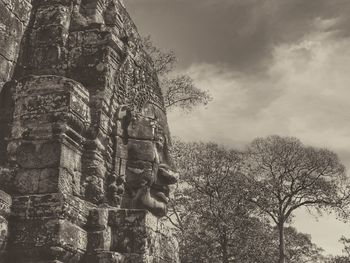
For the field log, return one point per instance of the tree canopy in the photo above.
(285, 175)
(231, 206)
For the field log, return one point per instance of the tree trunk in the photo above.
(225, 257)
(282, 256)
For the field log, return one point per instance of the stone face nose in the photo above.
(166, 176)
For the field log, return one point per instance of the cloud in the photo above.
(303, 93)
(239, 33)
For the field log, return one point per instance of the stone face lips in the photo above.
(82, 127)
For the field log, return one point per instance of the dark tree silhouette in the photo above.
(285, 175)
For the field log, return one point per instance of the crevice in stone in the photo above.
(6, 58)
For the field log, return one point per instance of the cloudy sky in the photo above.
(272, 67)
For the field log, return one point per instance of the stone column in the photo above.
(50, 116)
(62, 159)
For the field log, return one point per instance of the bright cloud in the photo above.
(304, 93)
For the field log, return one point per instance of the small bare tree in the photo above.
(285, 175)
(178, 90)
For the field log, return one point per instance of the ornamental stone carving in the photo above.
(85, 171)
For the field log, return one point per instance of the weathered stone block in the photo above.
(39, 154)
(141, 150)
(139, 172)
(70, 183)
(57, 15)
(49, 59)
(37, 181)
(129, 230)
(41, 96)
(47, 239)
(100, 240)
(121, 148)
(94, 189)
(88, 69)
(142, 129)
(33, 207)
(70, 158)
(6, 179)
(46, 180)
(138, 232)
(98, 219)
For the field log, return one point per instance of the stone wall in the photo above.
(13, 23)
(83, 138)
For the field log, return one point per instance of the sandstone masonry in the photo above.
(84, 162)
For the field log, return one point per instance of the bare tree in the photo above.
(178, 90)
(285, 175)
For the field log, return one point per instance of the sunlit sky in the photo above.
(272, 67)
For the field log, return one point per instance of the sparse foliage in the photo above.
(178, 90)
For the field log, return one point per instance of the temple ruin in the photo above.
(84, 141)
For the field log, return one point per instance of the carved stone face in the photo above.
(148, 173)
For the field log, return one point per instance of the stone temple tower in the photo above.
(84, 141)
